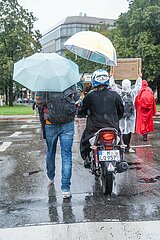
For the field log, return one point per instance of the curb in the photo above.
(17, 117)
(24, 117)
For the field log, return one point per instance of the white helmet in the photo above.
(100, 77)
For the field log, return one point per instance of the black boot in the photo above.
(127, 149)
(145, 137)
(87, 162)
(126, 141)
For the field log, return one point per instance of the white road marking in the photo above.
(4, 146)
(156, 122)
(29, 121)
(15, 134)
(24, 126)
(138, 146)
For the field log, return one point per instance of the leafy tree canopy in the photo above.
(137, 34)
(17, 39)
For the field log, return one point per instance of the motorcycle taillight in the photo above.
(108, 137)
(109, 147)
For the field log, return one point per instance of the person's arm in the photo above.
(77, 90)
(34, 105)
(154, 107)
(113, 85)
(82, 110)
(42, 120)
(138, 84)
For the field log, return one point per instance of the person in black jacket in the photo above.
(102, 107)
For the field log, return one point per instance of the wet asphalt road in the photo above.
(27, 199)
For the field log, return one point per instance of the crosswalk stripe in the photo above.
(24, 126)
(15, 134)
(4, 146)
(29, 121)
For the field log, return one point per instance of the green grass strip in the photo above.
(16, 110)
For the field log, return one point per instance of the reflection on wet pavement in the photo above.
(52, 202)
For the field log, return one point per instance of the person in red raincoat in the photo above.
(146, 108)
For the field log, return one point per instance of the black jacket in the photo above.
(103, 108)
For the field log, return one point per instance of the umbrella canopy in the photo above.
(46, 72)
(92, 46)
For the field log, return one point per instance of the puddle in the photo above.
(133, 164)
(134, 168)
(31, 172)
(148, 180)
(157, 177)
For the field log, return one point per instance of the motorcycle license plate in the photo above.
(109, 156)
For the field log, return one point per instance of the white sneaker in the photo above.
(131, 150)
(66, 195)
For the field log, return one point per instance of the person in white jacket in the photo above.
(127, 123)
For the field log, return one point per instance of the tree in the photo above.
(17, 40)
(137, 34)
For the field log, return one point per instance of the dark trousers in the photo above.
(126, 139)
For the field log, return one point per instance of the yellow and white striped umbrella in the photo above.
(92, 46)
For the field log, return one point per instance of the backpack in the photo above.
(61, 106)
(128, 104)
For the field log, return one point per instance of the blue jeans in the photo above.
(65, 134)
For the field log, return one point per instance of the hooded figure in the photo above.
(128, 95)
(146, 108)
(126, 85)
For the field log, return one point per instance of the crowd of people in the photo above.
(128, 109)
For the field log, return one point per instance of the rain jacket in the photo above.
(127, 124)
(146, 108)
(103, 108)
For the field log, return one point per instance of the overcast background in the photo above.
(50, 12)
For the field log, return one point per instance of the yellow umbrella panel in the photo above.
(92, 46)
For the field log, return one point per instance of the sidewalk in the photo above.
(86, 231)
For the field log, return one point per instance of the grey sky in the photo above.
(49, 12)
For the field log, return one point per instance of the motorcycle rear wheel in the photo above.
(107, 181)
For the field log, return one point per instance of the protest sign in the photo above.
(127, 68)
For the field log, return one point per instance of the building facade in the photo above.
(53, 39)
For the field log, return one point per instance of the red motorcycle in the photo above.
(107, 157)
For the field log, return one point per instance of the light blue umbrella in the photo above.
(46, 72)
